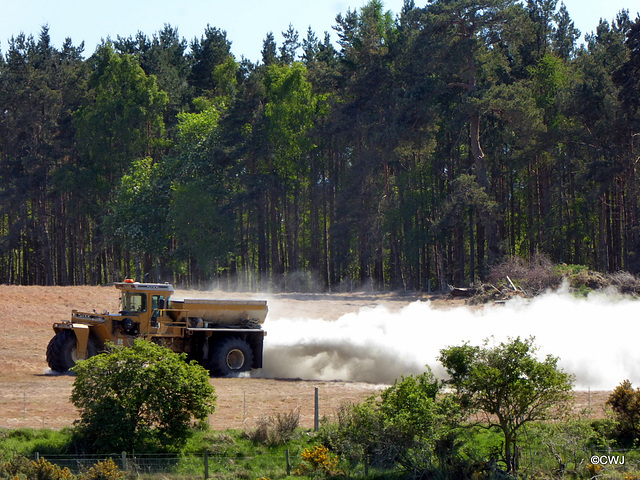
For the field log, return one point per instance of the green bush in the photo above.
(625, 403)
(143, 398)
(413, 426)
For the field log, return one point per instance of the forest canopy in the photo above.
(429, 145)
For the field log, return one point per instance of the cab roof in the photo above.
(146, 287)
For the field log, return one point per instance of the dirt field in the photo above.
(31, 397)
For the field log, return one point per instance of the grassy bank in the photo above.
(548, 450)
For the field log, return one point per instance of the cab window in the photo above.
(158, 302)
(134, 302)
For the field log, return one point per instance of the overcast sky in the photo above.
(246, 21)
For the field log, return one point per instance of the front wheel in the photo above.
(230, 356)
(61, 352)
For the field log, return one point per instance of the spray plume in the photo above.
(594, 338)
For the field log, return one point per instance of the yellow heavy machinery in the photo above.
(224, 336)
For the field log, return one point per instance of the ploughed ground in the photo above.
(31, 396)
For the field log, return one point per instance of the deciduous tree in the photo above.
(509, 384)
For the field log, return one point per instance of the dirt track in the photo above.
(31, 397)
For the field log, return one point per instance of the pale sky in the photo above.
(246, 22)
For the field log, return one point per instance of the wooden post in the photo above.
(288, 464)
(316, 413)
(124, 461)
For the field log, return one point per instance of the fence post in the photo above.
(288, 464)
(124, 461)
(206, 465)
(316, 419)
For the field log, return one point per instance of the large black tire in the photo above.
(230, 356)
(61, 352)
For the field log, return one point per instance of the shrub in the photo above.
(318, 461)
(16, 467)
(275, 430)
(141, 398)
(105, 470)
(412, 425)
(21, 467)
(625, 403)
(48, 471)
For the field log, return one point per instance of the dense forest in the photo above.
(419, 150)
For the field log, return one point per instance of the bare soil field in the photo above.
(30, 396)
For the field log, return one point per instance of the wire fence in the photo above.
(597, 462)
(200, 465)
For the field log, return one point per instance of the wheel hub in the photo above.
(235, 359)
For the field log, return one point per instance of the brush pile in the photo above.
(489, 293)
(518, 277)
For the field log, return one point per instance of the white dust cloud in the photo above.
(595, 338)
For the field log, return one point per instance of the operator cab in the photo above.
(136, 296)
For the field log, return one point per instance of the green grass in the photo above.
(232, 454)
(26, 441)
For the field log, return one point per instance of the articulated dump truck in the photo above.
(224, 336)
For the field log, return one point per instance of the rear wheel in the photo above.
(230, 356)
(61, 352)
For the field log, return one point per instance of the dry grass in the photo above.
(29, 397)
(276, 429)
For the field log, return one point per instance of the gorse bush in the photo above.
(22, 468)
(48, 471)
(104, 470)
(625, 403)
(319, 461)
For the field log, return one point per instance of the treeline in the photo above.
(426, 147)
